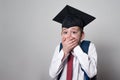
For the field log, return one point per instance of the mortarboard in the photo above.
(70, 17)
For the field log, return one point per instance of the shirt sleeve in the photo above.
(88, 61)
(57, 63)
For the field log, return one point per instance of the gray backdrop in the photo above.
(28, 36)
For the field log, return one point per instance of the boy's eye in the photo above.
(74, 32)
(64, 32)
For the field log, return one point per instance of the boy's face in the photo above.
(72, 33)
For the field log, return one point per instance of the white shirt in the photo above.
(88, 62)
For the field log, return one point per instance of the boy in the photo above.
(71, 62)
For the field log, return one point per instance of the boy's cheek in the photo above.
(77, 40)
(63, 39)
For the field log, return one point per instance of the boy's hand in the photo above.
(69, 44)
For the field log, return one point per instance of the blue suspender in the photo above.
(85, 46)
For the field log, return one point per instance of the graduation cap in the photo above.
(70, 17)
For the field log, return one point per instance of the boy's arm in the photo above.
(88, 61)
(57, 63)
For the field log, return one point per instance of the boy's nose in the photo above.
(69, 35)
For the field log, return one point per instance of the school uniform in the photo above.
(81, 61)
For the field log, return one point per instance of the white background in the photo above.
(28, 36)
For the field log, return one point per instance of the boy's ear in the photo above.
(82, 35)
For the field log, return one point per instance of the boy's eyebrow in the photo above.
(74, 29)
(63, 28)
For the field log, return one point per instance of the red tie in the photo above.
(69, 67)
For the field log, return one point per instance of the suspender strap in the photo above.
(85, 47)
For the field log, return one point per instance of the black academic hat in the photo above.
(70, 17)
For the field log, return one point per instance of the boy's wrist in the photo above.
(64, 56)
